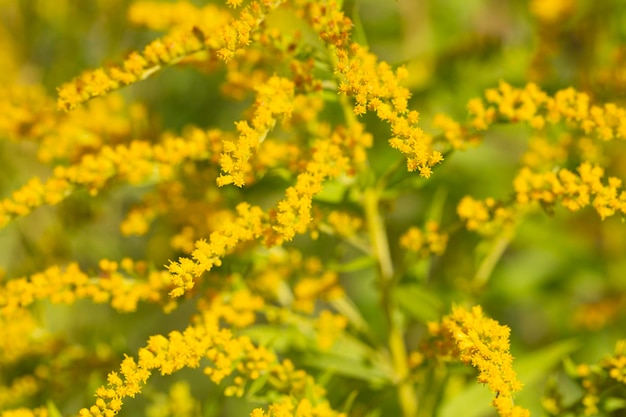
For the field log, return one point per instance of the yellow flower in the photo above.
(274, 98)
(484, 344)
(551, 11)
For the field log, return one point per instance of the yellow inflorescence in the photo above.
(376, 87)
(329, 328)
(293, 213)
(616, 364)
(309, 290)
(429, 241)
(136, 162)
(574, 191)
(118, 286)
(227, 355)
(344, 224)
(484, 343)
(21, 388)
(274, 98)
(164, 16)
(190, 33)
(27, 113)
(533, 106)
(247, 226)
(487, 217)
(303, 408)
(25, 412)
(541, 179)
(551, 11)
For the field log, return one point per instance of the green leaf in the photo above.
(570, 367)
(359, 35)
(332, 192)
(349, 310)
(613, 403)
(53, 411)
(347, 404)
(279, 338)
(256, 385)
(347, 366)
(536, 365)
(418, 302)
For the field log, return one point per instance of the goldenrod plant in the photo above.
(276, 208)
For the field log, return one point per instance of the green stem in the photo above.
(378, 234)
(397, 348)
(489, 262)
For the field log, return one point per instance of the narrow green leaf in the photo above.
(613, 403)
(279, 338)
(53, 411)
(347, 405)
(256, 385)
(348, 367)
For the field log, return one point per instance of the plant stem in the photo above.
(397, 349)
(489, 262)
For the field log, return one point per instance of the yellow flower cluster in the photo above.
(295, 382)
(238, 309)
(329, 327)
(160, 16)
(455, 133)
(595, 379)
(308, 290)
(616, 363)
(291, 216)
(22, 337)
(376, 87)
(598, 314)
(589, 382)
(227, 353)
(293, 213)
(168, 355)
(178, 403)
(484, 343)
(27, 113)
(136, 162)
(574, 191)
(429, 241)
(304, 408)
(302, 396)
(23, 111)
(274, 98)
(190, 34)
(137, 221)
(533, 106)
(123, 289)
(541, 179)
(249, 225)
(25, 412)
(487, 217)
(21, 387)
(327, 19)
(172, 199)
(543, 154)
(343, 223)
(551, 11)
